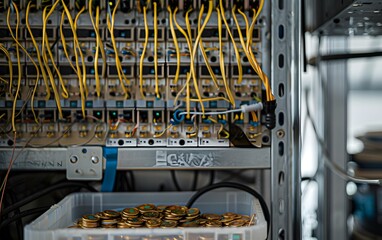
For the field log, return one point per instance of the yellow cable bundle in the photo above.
(84, 83)
(176, 78)
(46, 63)
(121, 75)
(63, 41)
(45, 78)
(64, 93)
(248, 51)
(237, 54)
(221, 58)
(10, 66)
(18, 44)
(195, 48)
(143, 51)
(156, 50)
(203, 50)
(80, 83)
(99, 46)
(189, 75)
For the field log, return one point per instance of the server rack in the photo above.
(282, 158)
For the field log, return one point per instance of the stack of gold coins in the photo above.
(135, 222)
(90, 221)
(151, 216)
(146, 207)
(109, 218)
(153, 223)
(129, 213)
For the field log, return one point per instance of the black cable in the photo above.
(44, 192)
(19, 223)
(303, 38)
(132, 180)
(239, 186)
(195, 181)
(212, 177)
(175, 181)
(303, 179)
(23, 214)
(343, 56)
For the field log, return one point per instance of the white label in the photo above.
(182, 159)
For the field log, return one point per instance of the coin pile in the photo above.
(151, 216)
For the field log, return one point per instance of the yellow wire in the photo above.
(84, 83)
(210, 99)
(194, 50)
(82, 93)
(221, 56)
(99, 45)
(18, 64)
(2, 79)
(163, 132)
(237, 54)
(156, 51)
(251, 58)
(64, 93)
(254, 117)
(203, 50)
(118, 65)
(46, 63)
(143, 51)
(63, 41)
(176, 78)
(47, 89)
(98, 84)
(2, 115)
(189, 75)
(18, 44)
(10, 65)
(263, 76)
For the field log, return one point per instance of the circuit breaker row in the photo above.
(122, 82)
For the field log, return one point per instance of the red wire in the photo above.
(8, 171)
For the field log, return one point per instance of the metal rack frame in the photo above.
(283, 158)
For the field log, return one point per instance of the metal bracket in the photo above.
(84, 163)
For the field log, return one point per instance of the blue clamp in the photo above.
(111, 156)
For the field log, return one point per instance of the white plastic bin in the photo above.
(53, 224)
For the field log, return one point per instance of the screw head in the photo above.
(73, 159)
(95, 159)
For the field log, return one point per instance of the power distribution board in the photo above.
(159, 73)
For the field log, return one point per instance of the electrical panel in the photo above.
(124, 73)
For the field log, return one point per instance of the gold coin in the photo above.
(213, 223)
(153, 223)
(178, 212)
(168, 224)
(226, 219)
(111, 214)
(146, 207)
(237, 223)
(150, 215)
(135, 221)
(193, 211)
(122, 225)
(130, 211)
(211, 216)
(190, 224)
(90, 218)
(161, 208)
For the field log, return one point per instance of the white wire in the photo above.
(212, 113)
(335, 168)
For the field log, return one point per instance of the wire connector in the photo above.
(270, 116)
(252, 108)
